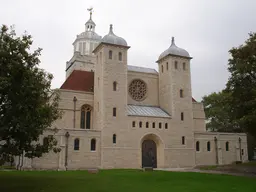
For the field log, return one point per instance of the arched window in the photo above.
(184, 66)
(110, 54)
(153, 125)
(114, 138)
(197, 146)
(181, 116)
(85, 121)
(183, 140)
(82, 123)
(93, 145)
(133, 124)
(227, 146)
(146, 124)
(88, 119)
(140, 124)
(114, 86)
(181, 93)
(76, 144)
(120, 57)
(176, 64)
(166, 125)
(114, 112)
(208, 146)
(162, 68)
(167, 66)
(160, 125)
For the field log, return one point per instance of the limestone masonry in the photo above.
(122, 116)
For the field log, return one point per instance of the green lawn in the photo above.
(122, 181)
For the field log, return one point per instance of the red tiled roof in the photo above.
(79, 81)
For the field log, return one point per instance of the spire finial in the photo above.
(111, 29)
(173, 42)
(90, 10)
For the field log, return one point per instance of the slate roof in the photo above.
(141, 69)
(146, 111)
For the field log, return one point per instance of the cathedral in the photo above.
(116, 115)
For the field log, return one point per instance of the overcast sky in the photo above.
(206, 29)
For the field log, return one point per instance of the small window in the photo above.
(162, 68)
(167, 66)
(160, 125)
(166, 125)
(183, 140)
(181, 93)
(114, 86)
(76, 144)
(208, 146)
(114, 112)
(146, 124)
(133, 124)
(140, 124)
(176, 64)
(153, 125)
(120, 56)
(227, 146)
(184, 66)
(93, 145)
(242, 151)
(45, 141)
(114, 138)
(182, 116)
(110, 54)
(197, 146)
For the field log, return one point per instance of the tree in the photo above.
(28, 106)
(217, 111)
(242, 84)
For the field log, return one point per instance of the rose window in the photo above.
(138, 90)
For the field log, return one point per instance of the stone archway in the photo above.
(149, 153)
(152, 151)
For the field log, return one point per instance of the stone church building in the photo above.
(122, 116)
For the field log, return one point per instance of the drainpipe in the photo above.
(74, 119)
(66, 152)
(216, 149)
(240, 153)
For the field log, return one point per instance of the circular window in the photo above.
(138, 90)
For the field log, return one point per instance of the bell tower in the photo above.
(110, 93)
(84, 44)
(175, 82)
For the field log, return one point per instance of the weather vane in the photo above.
(90, 10)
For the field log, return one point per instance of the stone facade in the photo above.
(103, 126)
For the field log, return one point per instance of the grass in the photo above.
(121, 180)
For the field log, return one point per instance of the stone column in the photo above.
(74, 118)
(220, 155)
(61, 155)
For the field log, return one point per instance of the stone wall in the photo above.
(205, 157)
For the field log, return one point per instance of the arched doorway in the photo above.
(149, 154)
